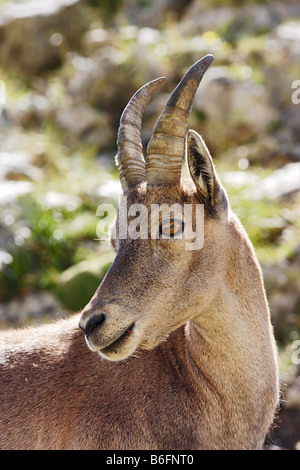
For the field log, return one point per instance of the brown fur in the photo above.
(198, 370)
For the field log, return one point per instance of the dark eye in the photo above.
(169, 228)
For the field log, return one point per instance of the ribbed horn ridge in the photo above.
(129, 159)
(166, 148)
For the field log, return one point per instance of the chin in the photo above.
(118, 352)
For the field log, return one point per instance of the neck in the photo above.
(234, 333)
(234, 328)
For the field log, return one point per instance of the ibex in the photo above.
(181, 352)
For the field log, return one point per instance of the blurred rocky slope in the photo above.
(68, 68)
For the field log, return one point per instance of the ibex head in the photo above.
(155, 285)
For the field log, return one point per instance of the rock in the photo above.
(31, 110)
(198, 19)
(281, 183)
(281, 70)
(154, 14)
(94, 39)
(85, 123)
(77, 284)
(289, 34)
(251, 19)
(282, 285)
(107, 78)
(16, 164)
(11, 190)
(103, 80)
(32, 308)
(34, 34)
(243, 102)
(273, 150)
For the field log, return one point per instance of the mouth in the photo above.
(117, 343)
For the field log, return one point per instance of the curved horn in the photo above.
(166, 147)
(129, 159)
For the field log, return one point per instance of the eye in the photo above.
(169, 228)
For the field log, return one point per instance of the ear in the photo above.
(203, 173)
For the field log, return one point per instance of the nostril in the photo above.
(93, 323)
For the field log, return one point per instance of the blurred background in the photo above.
(68, 68)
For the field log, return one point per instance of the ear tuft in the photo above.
(203, 172)
(200, 163)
